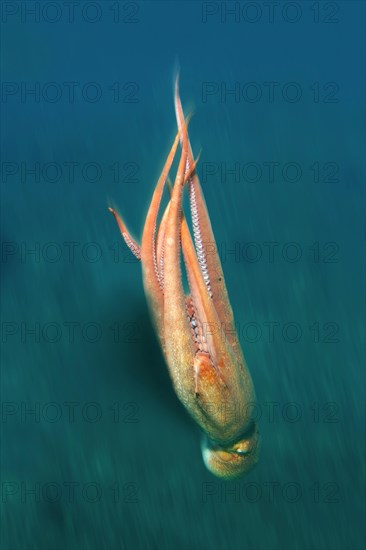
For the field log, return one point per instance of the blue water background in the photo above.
(167, 498)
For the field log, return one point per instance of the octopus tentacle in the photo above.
(179, 345)
(207, 252)
(151, 273)
(131, 243)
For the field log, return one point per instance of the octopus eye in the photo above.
(243, 448)
(245, 445)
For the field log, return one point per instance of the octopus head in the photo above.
(235, 459)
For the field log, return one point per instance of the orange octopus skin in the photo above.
(206, 363)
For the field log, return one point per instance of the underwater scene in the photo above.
(183, 275)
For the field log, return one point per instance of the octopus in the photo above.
(196, 330)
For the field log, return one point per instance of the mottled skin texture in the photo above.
(196, 331)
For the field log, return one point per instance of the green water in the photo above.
(90, 422)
